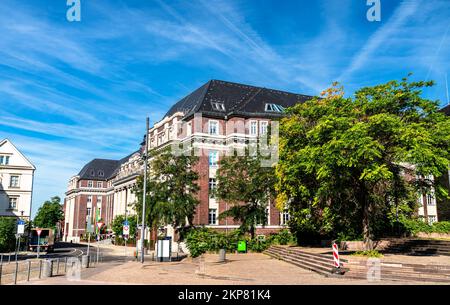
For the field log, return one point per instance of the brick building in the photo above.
(215, 118)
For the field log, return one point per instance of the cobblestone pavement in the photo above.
(240, 269)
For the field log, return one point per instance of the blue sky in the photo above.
(74, 91)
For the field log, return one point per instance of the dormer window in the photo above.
(101, 173)
(274, 108)
(218, 106)
(92, 172)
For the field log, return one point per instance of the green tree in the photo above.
(171, 190)
(7, 233)
(248, 186)
(346, 163)
(49, 214)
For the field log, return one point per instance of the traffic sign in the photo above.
(126, 230)
(38, 231)
(20, 227)
(99, 225)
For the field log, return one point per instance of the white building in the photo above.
(16, 181)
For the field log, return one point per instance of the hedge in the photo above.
(202, 240)
(414, 226)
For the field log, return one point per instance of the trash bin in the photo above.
(164, 250)
(242, 246)
(85, 261)
(47, 268)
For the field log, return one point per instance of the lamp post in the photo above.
(145, 189)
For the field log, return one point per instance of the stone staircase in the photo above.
(419, 247)
(356, 268)
(318, 263)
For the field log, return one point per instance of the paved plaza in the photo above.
(240, 269)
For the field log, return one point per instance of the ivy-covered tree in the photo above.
(248, 187)
(171, 190)
(49, 214)
(347, 163)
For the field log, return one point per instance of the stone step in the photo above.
(304, 255)
(305, 264)
(357, 269)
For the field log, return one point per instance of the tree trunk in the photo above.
(368, 245)
(366, 227)
(252, 232)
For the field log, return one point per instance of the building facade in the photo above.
(214, 119)
(16, 182)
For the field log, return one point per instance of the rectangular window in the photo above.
(213, 158)
(99, 199)
(212, 216)
(213, 127)
(89, 199)
(430, 199)
(4, 160)
(189, 129)
(99, 184)
(212, 186)
(253, 128)
(13, 203)
(90, 184)
(263, 127)
(14, 181)
(285, 217)
(88, 212)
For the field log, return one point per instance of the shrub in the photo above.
(368, 253)
(414, 226)
(284, 237)
(7, 233)
(202, 240)
(441, 227)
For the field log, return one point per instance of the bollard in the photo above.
(29, 271)
(15, 273)
(65, 265)
(1, 270)
(40, 268)
(84, 261)
(57, 266)
(48, 268)
(222, 254)
(1, 259)
(9, 258)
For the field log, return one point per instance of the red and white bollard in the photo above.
(337, 263)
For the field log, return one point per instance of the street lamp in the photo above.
(145, 189)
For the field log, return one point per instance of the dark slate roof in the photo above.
(93, 169)
(238, 99)
(446, 109)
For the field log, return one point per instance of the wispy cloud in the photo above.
(405, 10)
